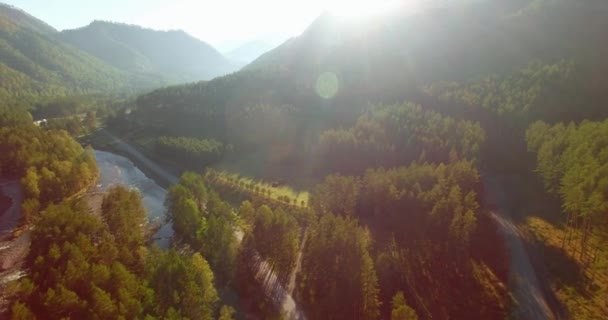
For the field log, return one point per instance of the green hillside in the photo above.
(448, 163)
(24, 19)
(478, 75)
(417, 58)
(36, 64)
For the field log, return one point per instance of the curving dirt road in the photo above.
(530, 302)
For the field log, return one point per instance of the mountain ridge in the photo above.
(174, 54)
(35, 63)
(248, 52)
(21, 17)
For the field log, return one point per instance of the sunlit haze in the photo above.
(224, 24)
(364, 8)
(303, 159)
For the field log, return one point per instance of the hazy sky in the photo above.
(222, 23)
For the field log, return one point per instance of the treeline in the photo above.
(381, 244)
(428, 230)
(38, 64)
(239, 188)
(274, 233)
(87, 267)
(251, 111)
(573, 162)
(67, 106)
(207, 225)
(204, 222)
(74, 125)
(338, 278)
(392, 135)
(191, 151)
(537, 91)
(50, 164)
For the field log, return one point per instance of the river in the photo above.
(11, 217)
(111, 169)
(115, 169)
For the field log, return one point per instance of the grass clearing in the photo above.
(582, 288)
(266, 189)
(271, 190)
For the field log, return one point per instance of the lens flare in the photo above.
(327, 85)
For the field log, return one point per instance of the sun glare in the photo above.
(366, 8)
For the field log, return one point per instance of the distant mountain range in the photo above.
(103, 57)
(176, 55)
(248, 52)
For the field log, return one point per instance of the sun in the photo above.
(367, 8)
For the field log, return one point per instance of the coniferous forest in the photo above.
(448, 163)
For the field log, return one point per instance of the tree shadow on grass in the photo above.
(526, 196)
(563, 271)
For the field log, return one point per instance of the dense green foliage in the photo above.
(61, 107)
(77, 271)
(275, 235)
(428, 226)
(39, 62)
(23, 19)
(401, 311)
(337, 194)
(537, 91)
(123, 212)
(190, 151)
(84, 268)
(398, 229)
(573, 162)
(275, 101)
(184, 286)
(73, 125)
(36, 64)
(398, 134)
(50, 164)
(204, 222)
(13, 117)
(338, 276)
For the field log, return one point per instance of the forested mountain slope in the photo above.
(331, 101)
(389, 59)
(173, 55)
(443, 42)
(24, 19)
(38, 61)
(399, 119)
(33, 63)
(327, 76)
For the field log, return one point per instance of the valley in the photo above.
(447, 162)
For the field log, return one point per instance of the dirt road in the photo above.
(530, 302)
